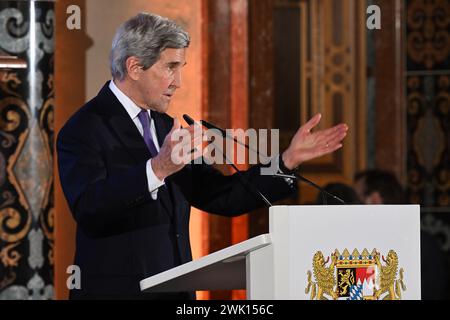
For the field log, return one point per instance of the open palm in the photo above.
(307, 145)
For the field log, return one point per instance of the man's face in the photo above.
(360, 189)
(157, 84)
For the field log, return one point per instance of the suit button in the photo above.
(177, 235)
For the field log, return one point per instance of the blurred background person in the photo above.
(378, 187)
(340, 190)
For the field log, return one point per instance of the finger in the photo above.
(326, 147)
(190, 134)
(334, 148)
(191, 156)
(178, 136)
(336, 139)
(195, 131)
(176, 125)
(189, 141)
(313, 122)
(326, 150)
(177, 155)
(198, 141)
(196, 144)
(335, 129)
(331, 138)
(331, 133)
(188, 147)
(194, 126)
(208, 154)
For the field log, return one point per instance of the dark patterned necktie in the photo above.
(145, 122)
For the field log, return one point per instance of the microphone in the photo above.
(188, 119)
(245, 183)
(294, 176)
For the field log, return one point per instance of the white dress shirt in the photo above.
(133, 110)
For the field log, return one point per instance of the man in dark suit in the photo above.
(129, 196)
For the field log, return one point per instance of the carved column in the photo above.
(26, 151)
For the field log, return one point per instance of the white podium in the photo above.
(314, 252)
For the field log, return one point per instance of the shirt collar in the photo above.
(132, 109)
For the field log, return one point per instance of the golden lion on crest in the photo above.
(387, 277)
(324, 276)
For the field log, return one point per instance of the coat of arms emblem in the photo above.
(356, 276)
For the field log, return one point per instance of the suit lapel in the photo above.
(121, 125)
(162, 128)
(124, 129)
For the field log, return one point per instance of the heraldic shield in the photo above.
(356, 276)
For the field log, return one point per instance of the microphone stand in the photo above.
(246, 184)
(296, 176)
(253, 190)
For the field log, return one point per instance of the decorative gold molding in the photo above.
(332, 81)
(333, 78)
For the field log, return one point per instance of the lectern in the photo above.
(314, 252)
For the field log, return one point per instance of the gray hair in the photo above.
(144, 36)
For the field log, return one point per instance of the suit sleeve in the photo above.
(232, 195)
(95, 197)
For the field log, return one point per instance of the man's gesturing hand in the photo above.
(175, 152)
(307, 145)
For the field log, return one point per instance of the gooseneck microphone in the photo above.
(244, 182)
(188, 119)
(294, 176)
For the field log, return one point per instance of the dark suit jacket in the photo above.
(123, 235)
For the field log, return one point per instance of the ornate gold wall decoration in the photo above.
(427, 28)
(428, 36)
(26, 152)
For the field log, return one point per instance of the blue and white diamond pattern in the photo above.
(356, 292)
